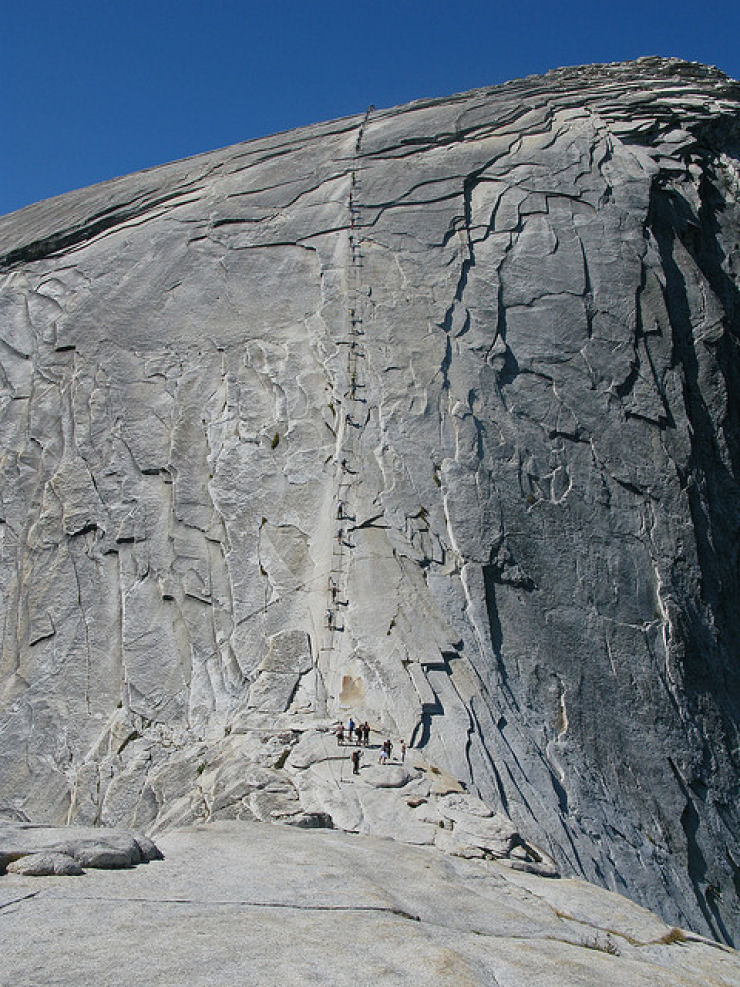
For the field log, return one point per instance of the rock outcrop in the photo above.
(428, 416)
(39, 851)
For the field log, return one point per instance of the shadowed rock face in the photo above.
(427, 416)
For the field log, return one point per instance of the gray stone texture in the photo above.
(45, 864)
(38, 850)
(240, 903)
(427, 416)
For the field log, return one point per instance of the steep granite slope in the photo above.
(427, 416)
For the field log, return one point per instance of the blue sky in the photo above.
(97, 89)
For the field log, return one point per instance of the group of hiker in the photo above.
(359, 733)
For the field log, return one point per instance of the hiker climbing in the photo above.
(356, 755)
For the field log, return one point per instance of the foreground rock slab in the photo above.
(251, 903)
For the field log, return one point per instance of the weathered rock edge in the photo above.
(40, 851)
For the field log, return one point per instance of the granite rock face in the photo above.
(245, 903)
(428, 416)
